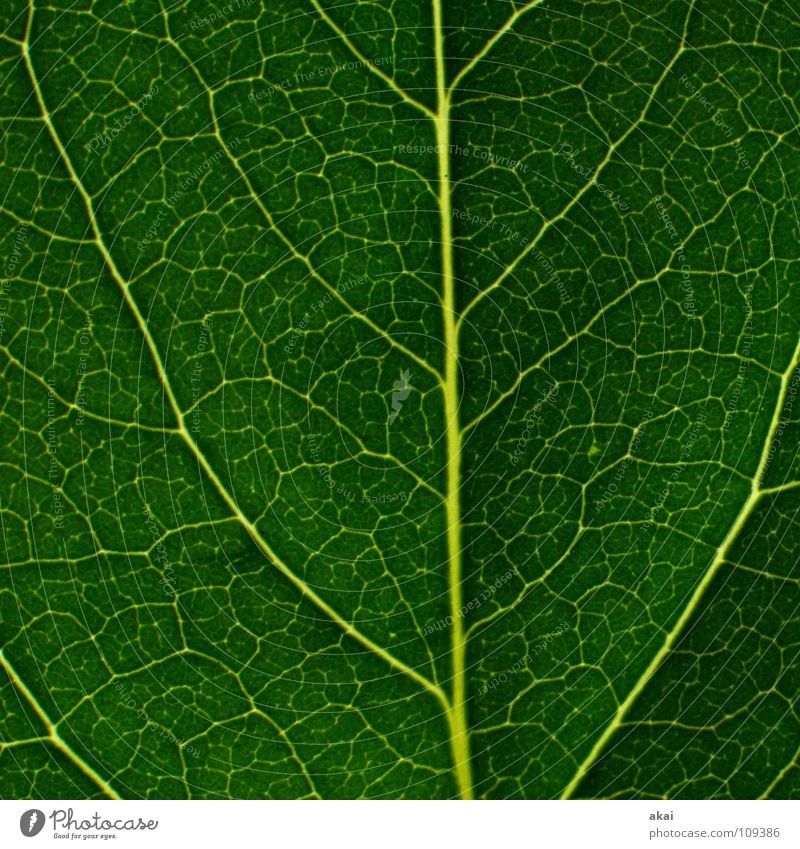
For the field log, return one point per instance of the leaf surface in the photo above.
(402, 400)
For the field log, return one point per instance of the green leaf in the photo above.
(402, 400)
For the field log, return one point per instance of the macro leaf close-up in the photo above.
(400, 400)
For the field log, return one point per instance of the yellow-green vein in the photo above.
(457, 714)
(53, 736)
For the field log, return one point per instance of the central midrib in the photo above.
(457, 712)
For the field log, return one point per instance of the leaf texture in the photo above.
(401, 400)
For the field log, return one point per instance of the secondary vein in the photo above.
(53, 736)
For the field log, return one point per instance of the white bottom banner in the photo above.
(403, 825)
